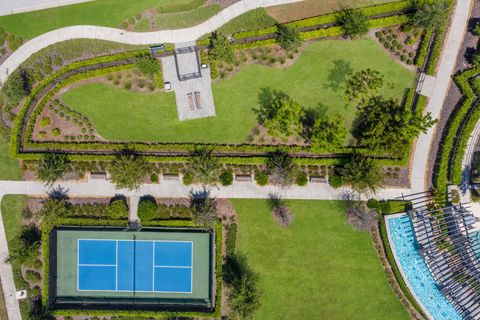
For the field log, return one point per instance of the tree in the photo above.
(288, 37)
(128, 170)
(220, 48)
(280, 211)
(204, 167)
(148, 65)
(353, 22)
(244, 295)
(204, 211)
(25, 245)
(362, 174)
(281, 169)
(281, 115)
(429, 14)
(385, 125)
(52, 167)
(328, 133)
(52, 209)
(363, 84)
(16, 87)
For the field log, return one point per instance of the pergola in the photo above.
(443, 236)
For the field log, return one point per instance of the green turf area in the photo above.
(316, 268)
(109, 13)
(315, 80)
(9, 169)
(142, 25)
(187, 19)
(251, 20)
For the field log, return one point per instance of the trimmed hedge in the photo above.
(423, 48)
(455, 138)
(231, 240)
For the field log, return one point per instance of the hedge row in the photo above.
(46, 231)
(437, 45)
(231, 240)
(452, 139)
(328, 19)
(423, 48)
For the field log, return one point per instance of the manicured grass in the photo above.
(251, 20)
(107, 13)
(9, 169)
(143, 25)
(316, 268)
(187, 19)
(316, 80)
(311, 8)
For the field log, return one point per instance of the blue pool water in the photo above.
(416, 270)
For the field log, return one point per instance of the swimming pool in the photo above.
(415, 270)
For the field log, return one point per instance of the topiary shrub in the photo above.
(44, 122)
(154, 178)
(56, 132)
(261, 178)
(32, 276)
(117, 209)
(302, 179)
(147, 209)
(42, 134)
(335, 180)
(187, 179)
(226, 178)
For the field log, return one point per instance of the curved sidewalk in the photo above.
(448, 58)
(122, 36)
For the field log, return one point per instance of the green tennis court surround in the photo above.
(149, 269)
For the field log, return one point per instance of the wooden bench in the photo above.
(171, 177)
(243, 178)
(317, 179)
(98, 176)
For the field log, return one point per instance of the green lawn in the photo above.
(316, 268)
(251, 20)
(187, 19)
(316, 79)
(9, 169)
(107, 13)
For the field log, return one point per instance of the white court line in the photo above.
(96, 265)
(116, 266)
(153, 268)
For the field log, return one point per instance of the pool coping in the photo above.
(405, 278)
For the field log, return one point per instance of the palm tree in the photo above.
(204, 167)
(52, 167)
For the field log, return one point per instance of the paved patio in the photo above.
(192, 85)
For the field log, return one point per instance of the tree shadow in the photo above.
(147, 198)
(118, 197)
(469, 54)
(58, 193)
(235, 268)
(197, 197)
(312, 114)
(337, 75)
(266, 97)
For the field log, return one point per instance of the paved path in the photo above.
(8, 7)
(122, 36)
(448, 58)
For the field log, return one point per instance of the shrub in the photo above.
(187, 179)
(154, 178)
(42, 134)
(261, 178)
(148, 65)
(44, 122)
(335, 180)
(117, 209)
(226, 178)
(147, 209)
(32, 276)
(231, 239)
(302, 179)
(288, 37)
(56, 132)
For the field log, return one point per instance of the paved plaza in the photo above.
(192, 85)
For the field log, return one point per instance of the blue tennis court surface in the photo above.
(135, 266)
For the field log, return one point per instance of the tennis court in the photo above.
(135, 266)
(149, 264)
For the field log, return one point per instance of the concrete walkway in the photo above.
(8, 7)
(122, 36)
(451, 47)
